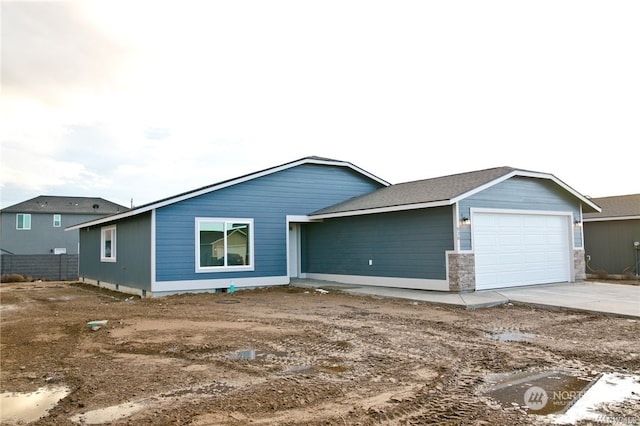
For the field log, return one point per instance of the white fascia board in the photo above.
(383, 210)
(226, 184)
(300, 219)
(609, 219)
(525, 173)
(107, 219)
(343, 164)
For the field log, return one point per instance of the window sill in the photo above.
(218, 269)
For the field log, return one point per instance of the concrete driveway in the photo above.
(617, 299)
(613, 299)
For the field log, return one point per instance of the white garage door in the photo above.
(520, 249)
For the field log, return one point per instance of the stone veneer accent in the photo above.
(579, 265)
(462, 274)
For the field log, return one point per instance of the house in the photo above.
(327, 219)
(36, 228)
(612, 236)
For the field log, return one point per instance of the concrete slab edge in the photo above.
(574, 309)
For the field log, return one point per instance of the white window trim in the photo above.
(57, 223)
(233, 268)
(24, 228)
(114, 239)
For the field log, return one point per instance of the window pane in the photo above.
(108, 250)
(238, 244)
(223, 244)
(23, 221)
(108, 237)
(211, 243)
(57, 220)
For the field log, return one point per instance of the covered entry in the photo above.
(516, 249)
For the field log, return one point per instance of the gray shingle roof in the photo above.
(616, 207)
(67, 205)
(420, 191)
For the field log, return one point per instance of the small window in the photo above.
(224, 244)
(57, 221)
(23, 221)
(108, 244)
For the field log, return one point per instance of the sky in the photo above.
(134, 101)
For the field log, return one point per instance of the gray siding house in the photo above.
(327, 219)
(33, 230)
(611, 236)
(37, 226)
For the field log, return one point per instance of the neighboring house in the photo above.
(327, 219)
(610, 235)
(37, 227)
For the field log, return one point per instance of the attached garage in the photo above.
(487, 229)
(518, 249)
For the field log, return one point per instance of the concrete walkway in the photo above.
(613, 299)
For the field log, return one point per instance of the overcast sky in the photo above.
(147, 99)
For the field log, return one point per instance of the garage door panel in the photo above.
(520, 249)
(537, 240)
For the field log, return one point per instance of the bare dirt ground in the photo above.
(290, 356)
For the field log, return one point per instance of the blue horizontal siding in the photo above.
(267, 200)
(521, 193)
(409, 244)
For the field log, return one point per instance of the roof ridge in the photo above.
(506, 168)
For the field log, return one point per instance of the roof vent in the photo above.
(95, 206)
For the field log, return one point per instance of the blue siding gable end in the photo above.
(521, 193)
(267, 200)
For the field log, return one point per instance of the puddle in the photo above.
(23, 408)
(61, 298)
(252, 354)
(117, 413)
(248, 354)
(541, 393)
(109, 414)
(568, 397)
(610, 388)
(511, 336)
(8, 307)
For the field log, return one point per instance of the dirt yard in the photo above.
(288, 356)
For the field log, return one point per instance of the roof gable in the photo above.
(439, 191)
(230, 182)
(66, 205)
(616, 208)
(416, 194)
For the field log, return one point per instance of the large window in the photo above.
(224, 244)
(23, 221)
(108, 244)
(57, 221)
